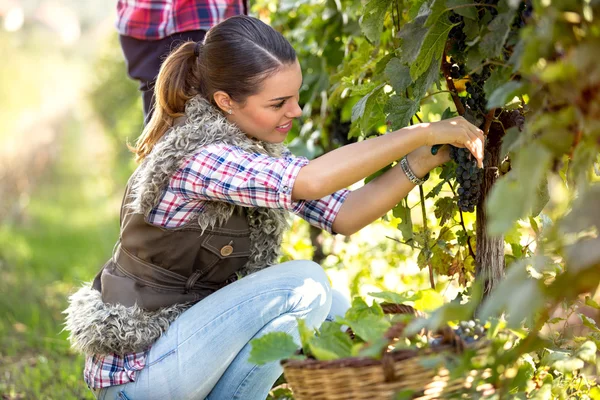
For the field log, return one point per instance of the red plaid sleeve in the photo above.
(227, 173)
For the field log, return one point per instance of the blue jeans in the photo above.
(204, 354)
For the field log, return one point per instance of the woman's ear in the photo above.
(223, 101)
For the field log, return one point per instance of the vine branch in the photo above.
(450, 84)
(426, 241)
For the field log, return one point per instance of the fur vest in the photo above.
(98, 328)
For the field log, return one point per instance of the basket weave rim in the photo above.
(365, 361)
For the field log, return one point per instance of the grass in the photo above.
(68, 232)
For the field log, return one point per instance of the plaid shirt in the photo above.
(157, 19)
(223, 173)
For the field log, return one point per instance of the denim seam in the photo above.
(159, 359)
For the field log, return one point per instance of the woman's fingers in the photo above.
(476, 147)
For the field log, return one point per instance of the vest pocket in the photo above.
(223, 256)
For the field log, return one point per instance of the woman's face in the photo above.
(268, 115)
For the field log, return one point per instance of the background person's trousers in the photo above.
(144, 58)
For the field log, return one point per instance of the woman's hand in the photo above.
(422, 161)
(457, 132)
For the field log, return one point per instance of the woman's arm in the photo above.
(347, 165)
(380, 195)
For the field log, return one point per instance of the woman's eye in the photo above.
(278, 105)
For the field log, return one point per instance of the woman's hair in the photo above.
(236, 57)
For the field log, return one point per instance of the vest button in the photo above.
(226, 250)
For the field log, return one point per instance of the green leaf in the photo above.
(446, 313)
(360, 309)
(568, 365)
(359, 108)
(519, 295)
(588, 322)
(305, 334)
(541, 198)
(504, 93)
(513, 196)
(429, 300)
(467, 12)
(373, 16)
(437, 8)
(425, 81)
(400, 110)
(492, 43)
(498, 77)
(511, 140)
(398, 74)
(432, 47)
(395, 298)
(406, 226)
(413, 36)
(370, 327)
(331, 344)
(445, 208)
(590, 302)
(587, 352)
(274, 346)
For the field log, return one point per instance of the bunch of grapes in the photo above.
(469, 178)
(470, 331)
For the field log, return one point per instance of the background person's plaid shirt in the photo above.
(223, 173)
(157, 19)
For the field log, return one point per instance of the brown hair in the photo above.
(236, 56)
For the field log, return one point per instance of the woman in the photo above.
(168, 315)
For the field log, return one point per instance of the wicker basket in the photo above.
(362, 378)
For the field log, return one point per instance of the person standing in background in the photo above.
(150, 29)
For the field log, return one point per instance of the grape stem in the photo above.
(426, 241)
(433, 94)
(462, 223)
(489, 118)
(450, 84)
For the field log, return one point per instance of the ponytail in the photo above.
(235, 57)
(177, 82)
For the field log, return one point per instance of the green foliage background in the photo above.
(64, 164)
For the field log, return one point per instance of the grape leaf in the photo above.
(492, 43)
(360, 309)
(504, 93)
(437, 8)
(373, 16)
(432, 48)
(588, 322)
(425, 81)
(590, 302)
(400, 110)
(331, 344)
(370, 327)
(467, 12)
(412, 35)
(498, 77)
(398, 74)
(587, 352)
(445, 208)
(406, 226)
(392, 297)
(274, 346)
(513, 196)
(359, 108)
(305, 334)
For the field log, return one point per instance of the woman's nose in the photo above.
(295, 111)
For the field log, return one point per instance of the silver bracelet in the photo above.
(410, 174)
